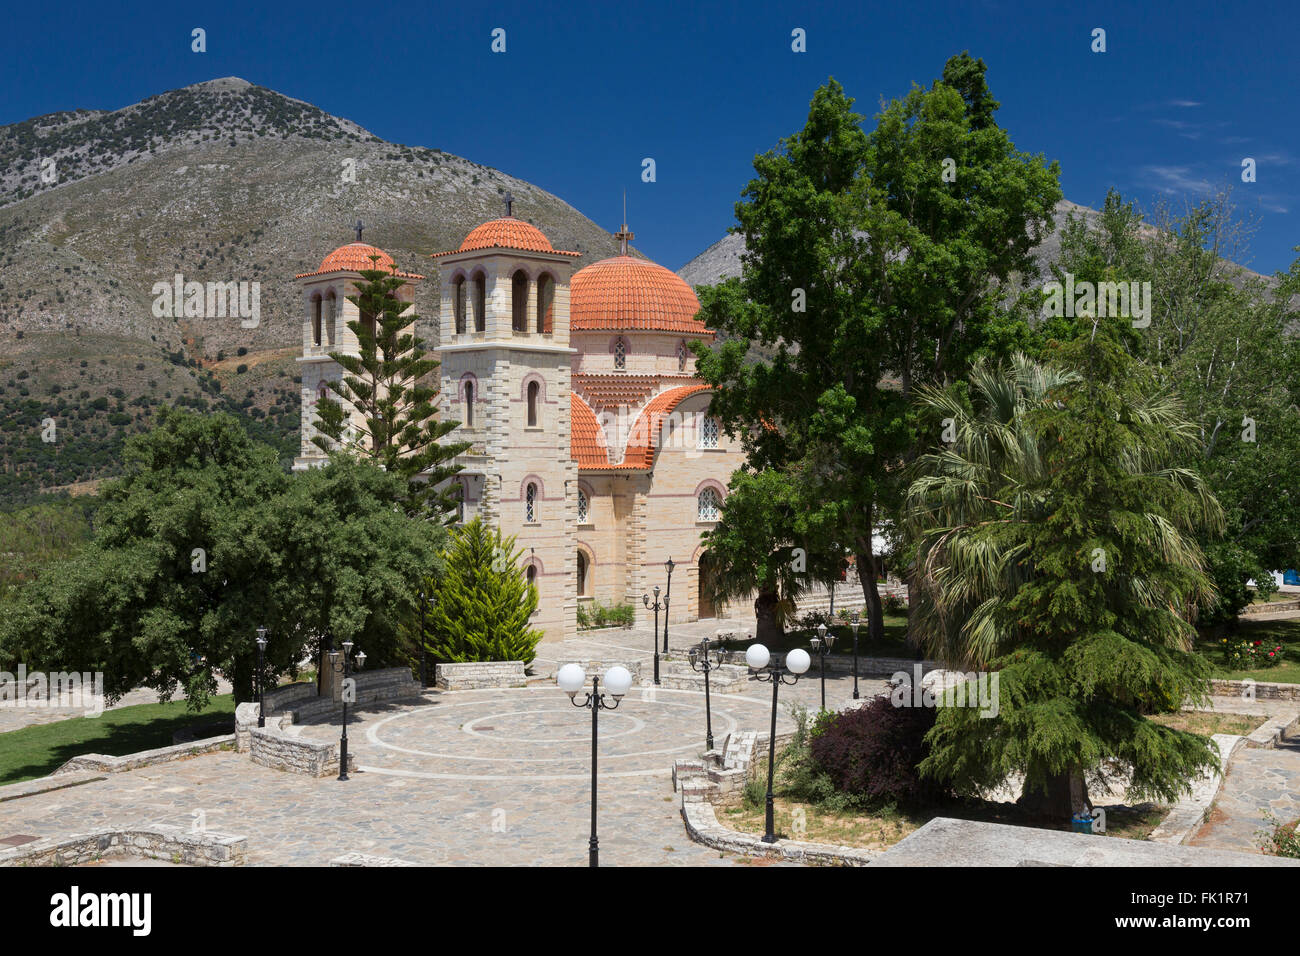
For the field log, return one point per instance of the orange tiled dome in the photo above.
(628, 293)
(507, 233)
(356, 257)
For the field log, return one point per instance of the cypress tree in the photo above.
(483, 602)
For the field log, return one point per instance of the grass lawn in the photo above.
(1206, 722)
(41, 749)
(1272, 633)
(893, 645)
(879, 830)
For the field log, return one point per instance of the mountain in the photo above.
(722, 259)
(221, 181)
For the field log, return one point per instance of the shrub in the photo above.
(1249, 655)
(1283, 839)
(893, 603)
(873, 752)
(599, 615)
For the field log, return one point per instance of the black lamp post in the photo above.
(654, 635)
(857, 622)
(344, 667)
(668, 566)
(797, 662)
(424, 675)
(702, 663)
(821, 646)
(261, 677)
(618, 681)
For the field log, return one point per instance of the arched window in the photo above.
(531, 575)
(707, 503)
(327, 323)
(708, 432)
(458, 298)
(582, 506)
(469, 404)
(461, 494)
(681, 356)
(530, 504)
(534, 391)
(315, 319)
(480, 303)
(582, 574)
(519, 301)
(545, 302)
(620, 354)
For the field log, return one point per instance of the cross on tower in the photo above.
(624, 236)
(508, 200)
(358, 227)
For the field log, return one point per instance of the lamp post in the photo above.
(261, 679)
(857, 622)
(571, 679)
(821, 646)
(424, 675)
(654, 635)
(668, 566)
(344, 667)
(702, 663)
(797, 662)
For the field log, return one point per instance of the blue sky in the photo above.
(585, 91)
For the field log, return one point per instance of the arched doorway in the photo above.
(706, 605)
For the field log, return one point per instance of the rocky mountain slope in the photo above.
(222, 181)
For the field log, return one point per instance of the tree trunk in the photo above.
(241, 681)
(767, 631)
(866, 564)
(1061, 797)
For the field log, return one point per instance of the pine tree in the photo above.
(387, 383)
(483, 603)
(1076, 560)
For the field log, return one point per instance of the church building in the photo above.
(590, 437)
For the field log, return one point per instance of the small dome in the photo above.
(356, 257)
(626, 293)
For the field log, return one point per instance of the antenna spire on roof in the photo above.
(358, 227)
(623, 235)
(508, 200)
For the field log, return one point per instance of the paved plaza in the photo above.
(490, 777)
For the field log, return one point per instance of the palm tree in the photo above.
(963, 497)
(1055, 542)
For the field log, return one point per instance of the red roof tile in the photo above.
(357, 257)
(644, 440)
(507, 233)
(586, 438)
(628, 293)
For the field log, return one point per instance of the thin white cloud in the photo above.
(1172, 180)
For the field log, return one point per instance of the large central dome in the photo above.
(629, 293)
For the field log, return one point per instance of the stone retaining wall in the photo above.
(479, 674)
(1258, 689)
(598, 668)
(703, 827)
(157, 841)
(843, 664)
(103, 763)
(269, 747)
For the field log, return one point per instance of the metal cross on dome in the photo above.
(358, 227)
(508, 200)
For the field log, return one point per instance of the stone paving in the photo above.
(1257, 781)
(487, 777)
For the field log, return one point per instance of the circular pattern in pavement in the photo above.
(529, 734)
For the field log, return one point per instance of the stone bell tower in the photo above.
(506, 367)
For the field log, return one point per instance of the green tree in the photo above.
(1068, 529)
(758, 548)
(865, 259)
(388, 383)
(1222, 341)
(205, 539)
(483, 603)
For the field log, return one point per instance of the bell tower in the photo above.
(506, 377)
